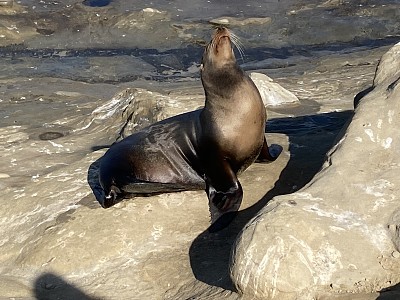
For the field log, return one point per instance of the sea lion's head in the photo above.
(219, 52)
(219, 70)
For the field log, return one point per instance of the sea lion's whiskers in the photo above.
(214, 39)
(238, 44)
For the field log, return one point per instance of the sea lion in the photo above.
(203, 149)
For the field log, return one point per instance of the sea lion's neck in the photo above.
(222, 82)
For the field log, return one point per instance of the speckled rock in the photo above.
(338, 234)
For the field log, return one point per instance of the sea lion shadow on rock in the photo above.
(205, 149)
(310, 139)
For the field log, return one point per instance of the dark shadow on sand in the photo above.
(52, 287)
(310, 138)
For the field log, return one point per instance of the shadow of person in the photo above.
(310, 138)
(49, 286)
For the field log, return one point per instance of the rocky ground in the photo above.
(74, 78)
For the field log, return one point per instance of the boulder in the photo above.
(272, 93)
(340, 233)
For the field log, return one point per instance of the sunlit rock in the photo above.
(340, 233)
(272, 93)
(54, 233)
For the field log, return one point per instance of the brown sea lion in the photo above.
(202, 149)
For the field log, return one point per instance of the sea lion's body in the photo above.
(203, 149)
(163, 154)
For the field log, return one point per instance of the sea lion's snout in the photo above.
(219, 51)
(221, 30)
(222, 40)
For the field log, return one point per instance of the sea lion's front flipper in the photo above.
(269, 154)
(224, 193)
(227, 205)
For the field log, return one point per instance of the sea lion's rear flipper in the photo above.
(269, 154)
(224, 193)
(132, 187)
(148, 188)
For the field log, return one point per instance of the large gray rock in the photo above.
(339, 234)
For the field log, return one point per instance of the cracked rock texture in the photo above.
(340, 233)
